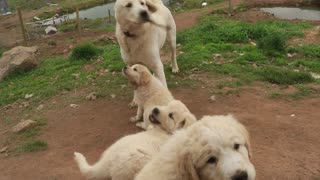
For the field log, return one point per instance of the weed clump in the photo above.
(85, 52)
(284, 76)
(273, 44)
(34, 146)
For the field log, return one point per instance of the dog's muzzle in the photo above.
(144, 16)
(153, 119)
(124, 70)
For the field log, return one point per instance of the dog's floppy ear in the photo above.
(248, 146)
(189, 120)
(145, 77)
(151, 6)
(186, 168)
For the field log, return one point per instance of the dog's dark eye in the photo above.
(212, 160)
(142, 3)
(135, 69)
(171, 115)
(129, 5)
(236, 146)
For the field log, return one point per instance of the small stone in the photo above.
(241, 54)
(74, 105)
(123, 86)
(23, 125)
(113, 96)
(212, 98)
(181, 52)
(315, 76)
(76, 75)
(253, 43)
(28, 96)
(92, 96)
(292, 115)
(4, 149)
(217, 55)
(178, 45)
(40, 107)
(289, 55)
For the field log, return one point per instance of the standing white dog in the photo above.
(141, 30)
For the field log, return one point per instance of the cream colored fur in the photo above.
(146, 36)
(204, 151)
(149, 92)
(126, 157)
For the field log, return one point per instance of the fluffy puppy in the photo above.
(214, 148)
(126, 157)
(142, 27)
(149, 92)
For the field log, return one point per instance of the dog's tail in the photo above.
(90, 172)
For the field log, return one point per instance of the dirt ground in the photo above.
(284, 133)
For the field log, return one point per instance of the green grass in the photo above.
(240, 59)
(301, 91)
(33, 146)
(85, 52)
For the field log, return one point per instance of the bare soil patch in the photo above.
(285, 136)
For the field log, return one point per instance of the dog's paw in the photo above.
(175, 70)
(134, 119)
(141, 125)
(133, 104)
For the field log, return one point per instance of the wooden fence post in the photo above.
(109, 16)
(78, 23)
(230, 8)
(23, 30)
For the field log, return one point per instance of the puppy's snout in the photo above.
(240, 175)
(155, 111)
(144, 15)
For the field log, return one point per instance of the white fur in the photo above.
(148, 36)
(126, 157)
(185, 155)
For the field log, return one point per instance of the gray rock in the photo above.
(23, 125)
(51, 30)
(18, 59)
(4, 149)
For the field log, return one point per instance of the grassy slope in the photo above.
(217, 45)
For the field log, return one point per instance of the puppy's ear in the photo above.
(189, 120)
(186, 168)
(145, 77)
(248, 146)
(151, 6)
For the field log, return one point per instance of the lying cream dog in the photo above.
(149, 92)
(126, 157)
(214, 148)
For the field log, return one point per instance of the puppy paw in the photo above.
(175, 70)
(134, 119)
(133, 104)
(141, 125)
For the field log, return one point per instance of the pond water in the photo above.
(100, 11)
(294, 13)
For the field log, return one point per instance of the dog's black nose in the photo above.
(144, 15)
(125, 68)
(240, 175)
(155, 111)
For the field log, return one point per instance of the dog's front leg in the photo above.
(139, 114)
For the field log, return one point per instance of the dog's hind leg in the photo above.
(171, 33)
(159, 71)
